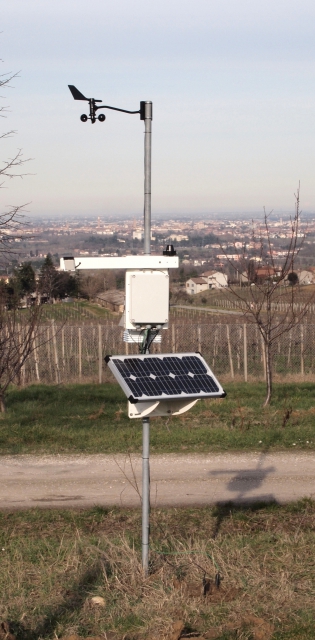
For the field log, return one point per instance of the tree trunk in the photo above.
(2, 404)
(268, 361)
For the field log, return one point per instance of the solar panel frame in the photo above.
(165, 376)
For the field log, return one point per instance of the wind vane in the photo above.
(77, 95)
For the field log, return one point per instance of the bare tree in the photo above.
(91, 284)
(12, 219)
(18, 328)
(20, 335)
(265, 290)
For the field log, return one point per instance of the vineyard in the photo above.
(75, 352)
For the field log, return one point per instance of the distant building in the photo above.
(228, 256)
(176, 237)
(138, 235)
(195, 285)
(215, 279)
(199, 263)
(306, 277)
(112, 299)
(266, 273)
(207, 280)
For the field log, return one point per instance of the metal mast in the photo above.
(146, 421)
(147, 176)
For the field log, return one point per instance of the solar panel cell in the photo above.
(175, 365)
(122, 368)
(194, 364)
(134, 388)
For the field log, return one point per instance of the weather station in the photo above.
(154, 385)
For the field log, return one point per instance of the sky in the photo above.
(233, 89)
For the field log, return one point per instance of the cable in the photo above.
(143, 344)
(154, 335)
(149, 336)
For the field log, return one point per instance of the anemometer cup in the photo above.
(83, 118)
(101, 117)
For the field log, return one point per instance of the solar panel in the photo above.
(164, 377)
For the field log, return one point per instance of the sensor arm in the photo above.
(72, 263)
(116, 109)
(94, 108)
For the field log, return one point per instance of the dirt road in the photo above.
(81, 481)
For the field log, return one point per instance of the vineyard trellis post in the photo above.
(81, 359)
(57, 371)
(80, 351)
(100, 355)
(245, 351)
(230, 351)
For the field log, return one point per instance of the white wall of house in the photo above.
(195, 285)
(215, 279)
(306, 277)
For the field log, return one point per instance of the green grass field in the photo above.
(92, 418)
(79, 572)
(77, 312)
(284, 294)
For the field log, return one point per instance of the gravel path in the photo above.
(176, 480)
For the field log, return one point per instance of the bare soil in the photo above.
(176, 480)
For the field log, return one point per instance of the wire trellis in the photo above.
(72, 353)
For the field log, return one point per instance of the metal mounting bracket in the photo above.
(159, 408)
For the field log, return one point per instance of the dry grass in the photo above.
(80, 573)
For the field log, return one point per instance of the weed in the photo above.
(286, 416)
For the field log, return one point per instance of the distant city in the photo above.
(198, 241)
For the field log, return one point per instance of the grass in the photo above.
(92, 418)
(79, 572)
(213, 296)
(77, 312)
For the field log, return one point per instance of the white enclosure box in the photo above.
(147, 298)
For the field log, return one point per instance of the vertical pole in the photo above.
(100, 360)
(173, 339)
(146, 421)
(230, 351)
(302, 351)
(147, 177)
(63, 349)
(53, 333)
(49, 354)
(145, 494)
(80, 352)
(245, 351)
(36, 359)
